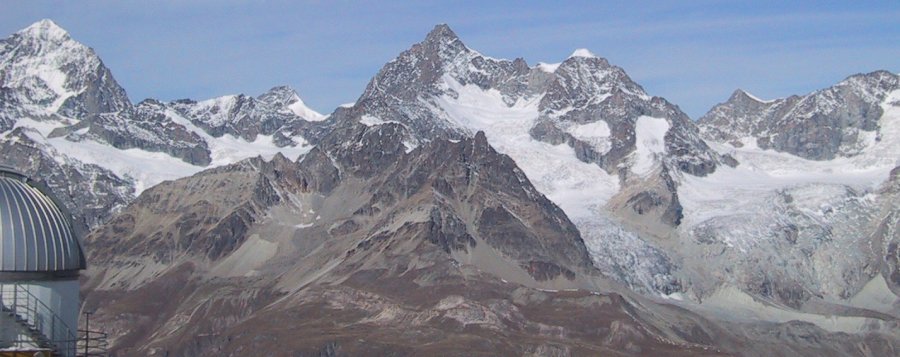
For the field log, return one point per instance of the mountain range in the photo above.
(469, 205)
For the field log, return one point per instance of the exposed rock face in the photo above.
(887, 232)
(651, 200)
(209, 214)
(279, 112)
(583, 89)
(833, 122)
(512, 217)
(404, 89)
(588, 91)
(144, 127)
(477, 194)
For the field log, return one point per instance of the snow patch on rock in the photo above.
(596, 133)
(301, 110)
(371, 120)
(144, 168)
(548, 67)
(583, 52)
(751, 96)
(229, 149)
(650, 143)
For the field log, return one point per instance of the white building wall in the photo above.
(48, 298)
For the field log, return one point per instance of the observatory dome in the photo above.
(35, 233)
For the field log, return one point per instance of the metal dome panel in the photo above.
(35, 235)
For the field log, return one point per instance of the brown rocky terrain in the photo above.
(361, 248)
(433, 251)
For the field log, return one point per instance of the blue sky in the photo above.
(694, 54)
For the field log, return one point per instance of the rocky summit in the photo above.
(468, 205)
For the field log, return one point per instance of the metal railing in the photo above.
(92, 343)
(46, 328)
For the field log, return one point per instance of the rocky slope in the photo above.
(344, 229)
(360, 247)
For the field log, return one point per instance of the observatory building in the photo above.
(40, 259)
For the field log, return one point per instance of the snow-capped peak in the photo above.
(45, 30)
(300, 108)
(51, 73)
(738, 93)
(287, 97)
(583, 52)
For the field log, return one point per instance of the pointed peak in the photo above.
(441, 45)
(287, 97)
(583, 52)
(441, 31)
(279, 95)
(442, 37)
(480, 138)
(45, 29)
(150, 102)
(584, 57)
(282, 90)
(740, 94)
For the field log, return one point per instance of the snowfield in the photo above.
(650, 143)
(580, 189)
(761, 173)
(596, 134)
(229, 149)
(146, 168)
